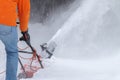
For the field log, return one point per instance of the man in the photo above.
(9, 9)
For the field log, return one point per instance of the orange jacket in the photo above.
(10, 10)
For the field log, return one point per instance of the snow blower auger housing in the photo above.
(48, 48)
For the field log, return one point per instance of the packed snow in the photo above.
(88, 44)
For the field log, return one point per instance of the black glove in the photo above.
(25, 37)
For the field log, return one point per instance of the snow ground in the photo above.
(103, 69)
(93, 51)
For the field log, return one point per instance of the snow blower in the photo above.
(29, 73)
(29, 70)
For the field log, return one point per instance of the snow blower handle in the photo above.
(35, 54)
(26, 38)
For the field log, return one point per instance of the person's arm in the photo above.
(23, 14)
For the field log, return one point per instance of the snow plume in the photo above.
(88, 32)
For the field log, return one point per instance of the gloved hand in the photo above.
(25, 37)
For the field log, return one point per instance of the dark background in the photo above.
(42, 9)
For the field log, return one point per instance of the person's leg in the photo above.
(9, 37)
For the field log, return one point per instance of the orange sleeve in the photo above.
(23, 13)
